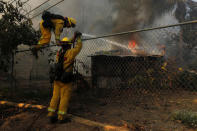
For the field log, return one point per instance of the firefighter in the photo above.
(52, 22)
(63, 79)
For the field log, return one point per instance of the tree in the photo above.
(15, 29)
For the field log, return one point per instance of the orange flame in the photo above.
(132, 44)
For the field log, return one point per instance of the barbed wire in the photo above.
(25, 6)
(37, 7)
(47, 9)
(12, 1)
(26, 2)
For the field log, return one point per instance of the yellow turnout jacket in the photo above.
(70, 55)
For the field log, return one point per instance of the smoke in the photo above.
(97, 17)
(133, 14)
(150, 13)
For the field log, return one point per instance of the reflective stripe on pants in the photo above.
(61, 96)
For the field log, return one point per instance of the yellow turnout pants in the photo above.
(61, 96)
(46, 33)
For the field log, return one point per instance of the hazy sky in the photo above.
(93, 16)
(90, 14)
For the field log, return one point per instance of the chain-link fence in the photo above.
(123, 77)
(152, 59)
(140, 76)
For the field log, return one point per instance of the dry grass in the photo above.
(186, 117)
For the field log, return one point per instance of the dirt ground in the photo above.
(36, 121)
(151, 111)
(144, 109)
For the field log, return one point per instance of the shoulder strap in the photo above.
(61, 59)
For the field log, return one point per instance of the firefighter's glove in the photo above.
(77, 34)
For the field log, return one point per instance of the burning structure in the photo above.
(114, 70)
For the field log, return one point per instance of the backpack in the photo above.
(58, 73)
